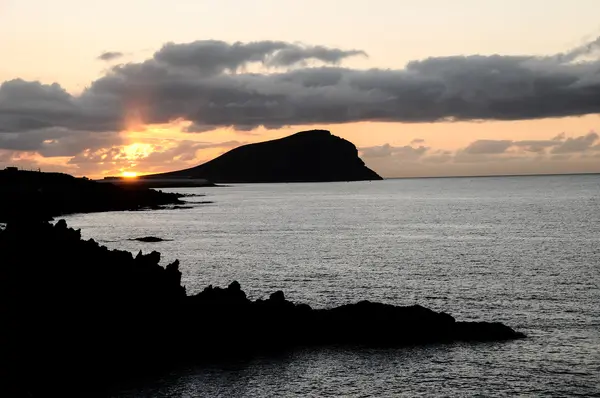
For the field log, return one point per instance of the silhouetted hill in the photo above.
(36, 195)
(309, 156)
(76, 315)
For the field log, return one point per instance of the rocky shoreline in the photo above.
(36, 195)
(76, 314)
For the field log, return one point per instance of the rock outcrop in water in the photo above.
(150, 239)
(37, 195)
(74, 314)
(309, 156)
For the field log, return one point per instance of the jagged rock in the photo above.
(277, 297)
(73, 307)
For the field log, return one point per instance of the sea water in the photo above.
(524, 251)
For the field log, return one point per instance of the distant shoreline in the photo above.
(201, 183)
(204, 183)
(421, 178)
(496, 175)
(151, 182)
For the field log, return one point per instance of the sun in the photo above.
(129, 174)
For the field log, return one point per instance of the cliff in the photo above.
(77, 315)
(309, 156)
(37, 195)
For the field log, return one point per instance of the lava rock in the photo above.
(72, 307)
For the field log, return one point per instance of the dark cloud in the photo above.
(211, 57)
(110, 56)
(32, 106)
(214, 84)
(293, 55)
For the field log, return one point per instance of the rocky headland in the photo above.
(308, 156)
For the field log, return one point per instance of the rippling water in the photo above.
(521, 250)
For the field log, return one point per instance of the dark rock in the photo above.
(309, 156)
(150, 239)
(76, 314)
(277, 297)
(31, 195)
(234, 286)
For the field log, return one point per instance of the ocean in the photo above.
(524, 251)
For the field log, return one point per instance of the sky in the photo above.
(427, 88)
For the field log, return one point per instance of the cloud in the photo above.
(110, 56)
(558, 145)
(53, 142)
(33, 106)
(578, 52)
(213, 84)
(417, 141)
(486, 147)
(577, 144)
(208, 84)
(559, 148)
(538, 146)
(186, 151)
(6, 156)
(210, 57)
(558, 155)
(438, 157)
(406, 152)
(165, 155)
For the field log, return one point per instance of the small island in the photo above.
(77, 315)
(307, 156)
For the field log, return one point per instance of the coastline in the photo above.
(132, 317)
(33, 195)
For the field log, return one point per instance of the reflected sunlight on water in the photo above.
(520, 250)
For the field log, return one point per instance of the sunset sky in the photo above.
(423, 88)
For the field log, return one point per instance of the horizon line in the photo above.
(496, 175)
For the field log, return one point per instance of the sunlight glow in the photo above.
(129, 174)
(137, 151)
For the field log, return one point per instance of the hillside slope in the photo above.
(308, 156)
